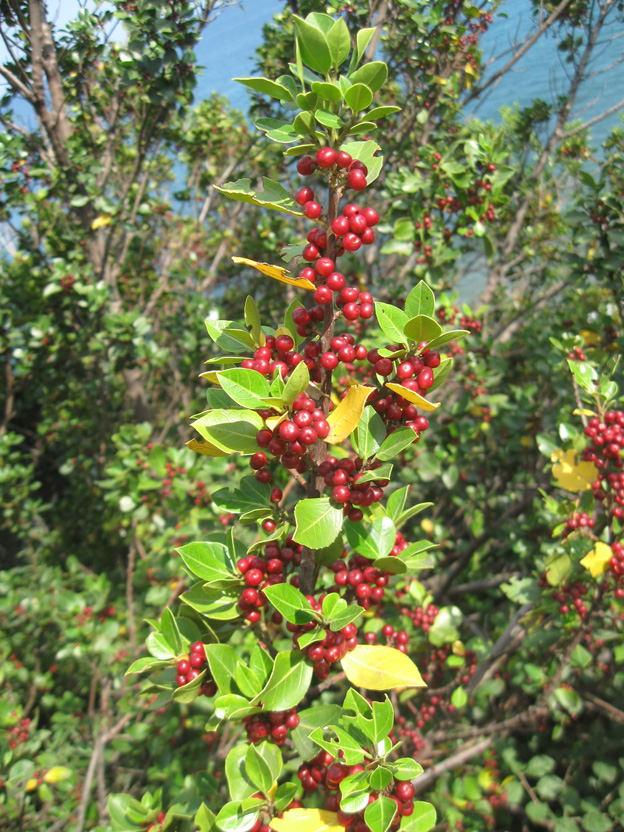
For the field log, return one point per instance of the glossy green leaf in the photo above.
(422, 328)
(313, 46)
(328, 119)
(266, 87)
(358, 97)
(379, 814)
(239, 781)
(376, 541)
(309, 719)
(290, 602)
(369, 433)
(246, 387)
(447, 337)
(368, 152)
(420, 301)
(339, 42)
(232, 818)
(318, 522)
(233, 431)
(372, 74)
(296, 383)
(288, 683)
(272, 195)
(382, 112)
(327, 90)
(422, 819)
(263, 763)
(392, 321)
(396, 442)
(209, 561)
(213, 603)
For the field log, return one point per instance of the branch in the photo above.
(593, 121)
(454, 761)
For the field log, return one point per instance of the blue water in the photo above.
(228, 46)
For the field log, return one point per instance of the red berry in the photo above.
(341, 494)
(306, 166)
(384, 367)
(356, 179)
(336, 281)
(268, 525)
(329, 360)
(425, 378)
(312, 210)
(351, 311)
(289, 431)
(351, 241)
(304, 195)
(310, 252)
(323, 295)
(340, 226)
(326, 157)
(258, 460)
(372, 217)
(358, 224)
(322, 428)
(284, 343)
(343, 159)
(324, 266)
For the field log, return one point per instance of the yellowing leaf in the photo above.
(590, 338)
(526, 442)
(427, 526)
(273, 421)
(103, 219)
(31, 785)
(277, 273)
(440, 80)
(211, 375)
(376, 667)
(345, 417)
(597, 561)
(57, 774)
(307, 820)
(469, 69)
(412, 397)
(202, 446)
(572, 475)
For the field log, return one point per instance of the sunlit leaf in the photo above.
(412, 397)
(201, 446)
(570, 474)
(307, 820)
(344, 418)
(597, 561)
(276, 272)
(376, 667)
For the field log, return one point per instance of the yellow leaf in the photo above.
(376, 667)
(307, 820)
(57, 774)
(202, 446)
(597, 561)
(427, 526)
(475, 410)
(103, 219)
(469, 70)
(344, 418)
(31, 785)
(211, 375)
(526, 442)
(412, 397)
(277, 273)
(273, 421)
(590, 338)
(272, 790)
(572, 475)
(440, 80)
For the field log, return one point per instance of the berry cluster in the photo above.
(616, 565)
(276, 354)
(354, 228)
(607, 440)
(19, 733)
(272, 726)
(402, 793)
(344, 477)
(159, 820)
(364, 580)
(577, 354)
(331, 649)
(290, 440)
(569, 597)
(394, 638)
(579, 520)
(421, 617)
(259, 573)
(313, 773)
(189, 667)
(347, 171)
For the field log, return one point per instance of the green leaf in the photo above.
(328, 119)
(383, 472)
(392, 321)
(445, 337)
(272, 195)
(209, 561)
(223, 661)
(247, 681)
(444, 629)
(246, 387)
(380, 779)
(213, 603)
(249, 496)
(373, 74)
(288, 683)
(159, 647)
(441, 372)
(204, 819)
(420, 301)
(369, 433)
(326, 90)
(313, 46)
(263, 763)
(367, 152)
(396, 442)
(376, 541)
(353, 752)
(188, 693)
(232, 818)
(239, 781)
(379, 814)
(338, 613)
(422, 819)
(396, 503)
(459, 698)
(339, 42)
(296, 384)
(147, 663)
(284, 795)
(230, 336)
(290, 602)
(382, 112)
(267, 87)
(316, 717)
(233, 431)
(170, 632)
(363, 38)
(406, 768)
(383, 719)
(252, 319)
(422, 328)
(411, 512)
(318, 522)
(233, 707)
(358, 97)
(261, 663)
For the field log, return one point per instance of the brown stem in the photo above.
(316, 484)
